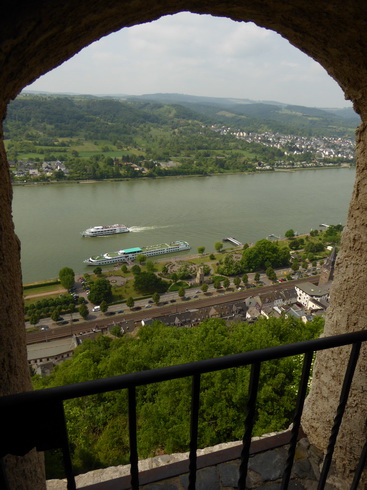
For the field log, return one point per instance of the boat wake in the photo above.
(137, 229)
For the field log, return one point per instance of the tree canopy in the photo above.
(100, 290)
(289, 233)
(99, 436)
(67, 277)
(148, 282)
(264, 254)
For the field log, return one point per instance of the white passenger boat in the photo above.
(105, 230)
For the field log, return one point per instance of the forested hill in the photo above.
(89, 117)
(96, 117)
(267, 116)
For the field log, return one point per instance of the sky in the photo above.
(196, 55)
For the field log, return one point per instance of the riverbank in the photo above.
(177, 177)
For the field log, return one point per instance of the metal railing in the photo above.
(36, 419)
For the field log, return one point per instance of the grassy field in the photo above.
(42, 289)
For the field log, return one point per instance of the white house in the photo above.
(310, 295)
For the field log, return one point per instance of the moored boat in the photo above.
(130, 254)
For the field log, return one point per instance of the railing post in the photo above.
(249, 423)
(195, 401)
(134, 471)
(302, 390)
(360, 468)
(348, 378)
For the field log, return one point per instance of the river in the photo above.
(201, 210)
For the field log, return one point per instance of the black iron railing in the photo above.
(36, 419)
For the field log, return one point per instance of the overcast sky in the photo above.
(196, 55)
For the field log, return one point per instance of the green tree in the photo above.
(100, 290)
(217, 283)
(201, 250)
(204, 287)
(314, 247)
(218, 246)
(222, 394)
(271, 274)
(226, 283)
(104, 306)
(83, 311)
(97, 271)
(34, 319)
(156, 298)
(116, 331)
(294, 244)
(71, 310)
(245, 279)
(141, 258)
(289, 234)
(237, 281)
(135, 269)
(149, 264)
(67, 277)
(182, 292)
(55, 315)
(229, 266)
(130, 302)
(148, 283)
(264, 254)
(295, 265)
(257, 277)
(124, 268)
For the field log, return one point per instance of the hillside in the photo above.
(249, 115)
(166, 134)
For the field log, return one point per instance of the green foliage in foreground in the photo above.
(98, 425)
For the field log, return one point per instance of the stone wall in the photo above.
(218, 469)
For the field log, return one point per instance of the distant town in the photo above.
(325, 151)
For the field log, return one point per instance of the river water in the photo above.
(201, 210)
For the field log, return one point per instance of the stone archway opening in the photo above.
(38, 37)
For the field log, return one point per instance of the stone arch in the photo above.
(37, 36)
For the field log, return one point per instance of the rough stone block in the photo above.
(228, 474)
(269, 465)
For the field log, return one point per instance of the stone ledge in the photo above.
(170, 465)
